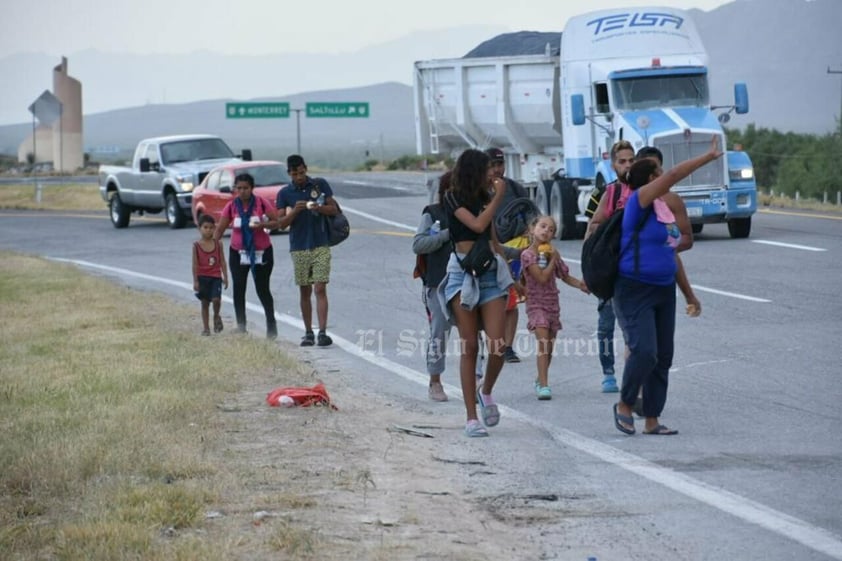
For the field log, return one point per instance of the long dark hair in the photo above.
(444, 185)
(641, 172)
(470, 177)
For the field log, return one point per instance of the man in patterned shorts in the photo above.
(303, 205)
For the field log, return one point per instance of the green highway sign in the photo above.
(358, 109)
(270, 110)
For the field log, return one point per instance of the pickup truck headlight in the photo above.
(186, 183)
(743, 174)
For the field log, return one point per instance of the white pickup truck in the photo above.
(163, 174)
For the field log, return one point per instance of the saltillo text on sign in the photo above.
(357, 109)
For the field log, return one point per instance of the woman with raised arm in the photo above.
(644, 294)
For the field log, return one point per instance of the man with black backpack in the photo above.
(601, 206)
(302, 207)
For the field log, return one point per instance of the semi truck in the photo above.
(639, 74)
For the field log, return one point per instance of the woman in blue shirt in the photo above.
(644, 294)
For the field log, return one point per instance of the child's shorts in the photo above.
(210, 288)
(539, 318)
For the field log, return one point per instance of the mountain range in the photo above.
(785, 51)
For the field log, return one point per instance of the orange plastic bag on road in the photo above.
(301, 396)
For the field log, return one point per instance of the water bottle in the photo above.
(321, 199)
(544, 251)
(435, 228)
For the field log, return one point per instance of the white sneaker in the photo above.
(436, 392)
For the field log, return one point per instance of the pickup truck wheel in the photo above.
(697, 228)
(739, 227)
(175, 218)
(119, 212)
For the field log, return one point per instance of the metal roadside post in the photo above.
(46, 108)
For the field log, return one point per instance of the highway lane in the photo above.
(754, 388)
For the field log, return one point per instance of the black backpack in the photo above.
(338, 228)
(601, 253)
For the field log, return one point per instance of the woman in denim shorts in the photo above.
(475, 301)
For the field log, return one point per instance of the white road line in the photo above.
(407, 189)
(789, 245)
(704, 288)
(813, 537)
(730, 294)
(378, 219)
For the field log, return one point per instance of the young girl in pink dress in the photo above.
(542, 265)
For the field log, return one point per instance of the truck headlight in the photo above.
(186, 183)
(743, 174)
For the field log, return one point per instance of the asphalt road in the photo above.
(756, 471)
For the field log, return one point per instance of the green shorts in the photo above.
(311, 265)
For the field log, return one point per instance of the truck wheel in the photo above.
(697, 228)
(542, 195)
(739, 227)
(175, 218)
(119, 212)
(563, 207)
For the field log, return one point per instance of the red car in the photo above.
(216, 189)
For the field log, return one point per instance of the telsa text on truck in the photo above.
(635, 74)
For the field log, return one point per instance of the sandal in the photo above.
(217, 324)
(473, 429)
(662, 431)
(489, 413)
(309, 339)
(621, 420)
(206, 333)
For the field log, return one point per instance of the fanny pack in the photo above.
(479, 259)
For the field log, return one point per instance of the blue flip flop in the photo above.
(489, 413)
(619, 419)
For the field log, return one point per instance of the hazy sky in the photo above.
(62, 27)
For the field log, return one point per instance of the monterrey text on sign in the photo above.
(341, 109)
(275, 110)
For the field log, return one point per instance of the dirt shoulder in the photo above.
(347, 484)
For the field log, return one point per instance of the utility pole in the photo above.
(298, 130)
(829, 71)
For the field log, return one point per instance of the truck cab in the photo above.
(642, 75)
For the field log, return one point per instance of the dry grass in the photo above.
(765, 200)
(54, 196)
(112, 411)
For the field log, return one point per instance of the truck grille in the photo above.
(676, 148)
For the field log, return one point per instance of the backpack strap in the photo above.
(618, 190)
(636, 237)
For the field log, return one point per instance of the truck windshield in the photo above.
(197, 149)
(648, 92)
